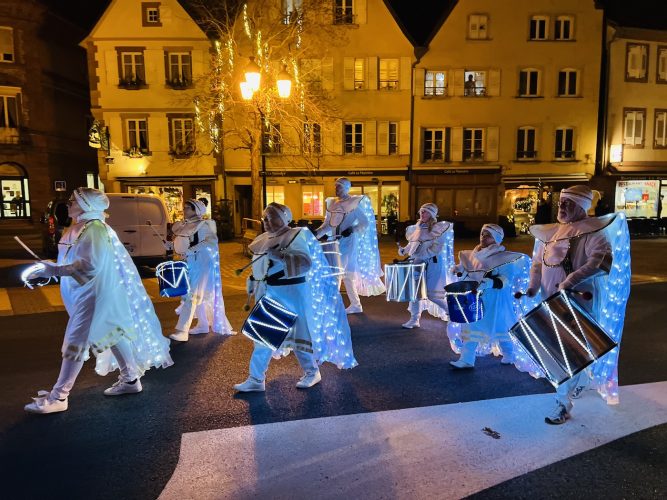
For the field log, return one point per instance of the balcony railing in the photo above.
(388, 84)
(565, 155)
(433, 91)
(132, 83)
(354, 148)
(526, 155)
(179, 83)
(343, 16)
(433, 155)
(473, 155)
(474, 92)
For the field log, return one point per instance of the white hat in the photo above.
(283, 211)
(91, 200)
(197, 206)
(431, 208)
(494, 230)
(580, 194)
(345, 182)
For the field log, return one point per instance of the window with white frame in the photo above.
(474, 84)
(435, 83)
(132, 72)
(9, 109)
(660, 128)
(564, 144)
(634, 120)
(354, 138)
(478, 26)
(6, 44)
(525, 143)
(153, 15)
(291, 10)
(343, 12)
(393, 138)
(568, 83)
(434, 144)
(137, 136)
(275, 194)
(473, 144)
(539, 28)
(661, 66)
(359, 73)
(271, 138)
(388, 74)
(529, 82)
(181, 135)
(312, 138)
(150, 14)
(636, 56)
(311, 73)
(179, 69)
(312, 199)
(564, 28)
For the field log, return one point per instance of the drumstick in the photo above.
(241, 269)
(584, 295)
(155, 231)
(18, 240)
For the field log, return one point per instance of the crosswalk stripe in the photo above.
(5, 303)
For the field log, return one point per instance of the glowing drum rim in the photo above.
(172, 277)
(561, 337)
(269, 323)
(405, 282)
(33, 282)
(331, 251)
(464, 302)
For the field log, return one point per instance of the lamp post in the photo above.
(249, 90)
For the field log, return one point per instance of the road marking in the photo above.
(5, 303)
(432, 452)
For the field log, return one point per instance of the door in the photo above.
(15, 194)
(243, 196)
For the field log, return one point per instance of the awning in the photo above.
(147, 179)
(545, 178)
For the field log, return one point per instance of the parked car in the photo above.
(140, 220)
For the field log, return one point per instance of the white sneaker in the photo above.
(461, 365)
(120, 388)
(199, 329)
(250, 385)
(411, 323)
(43, 405)
(179, 336)
(309, 380)
(559, 414)
(354, 309)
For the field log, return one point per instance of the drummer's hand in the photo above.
(347, 232)
(169, 245)
(531, 293)
(323, 238)
(47, 271)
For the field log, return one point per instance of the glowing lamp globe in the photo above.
(252, 74)
(246, 91)
(284, 83)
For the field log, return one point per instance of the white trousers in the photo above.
(351, 291)
(415, 309)
(469, 349)
(564, 391)
(187, 314)
(261, 357)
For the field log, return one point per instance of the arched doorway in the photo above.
(15, 193)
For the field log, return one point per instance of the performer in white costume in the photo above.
(498, 272)
(432, 243)
(585, 254)
(290, 268)
(196, 238)
(109, 311)
(351, 220)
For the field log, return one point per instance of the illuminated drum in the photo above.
(331, 250)
(268, 323)
(464, 302)
(405, 282)
(33, 282)
(172, 277)
(561, 337)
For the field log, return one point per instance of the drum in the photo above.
(172, 277)
(464, 302)
(331, 250)
(405, 282)
(561, 337)
(268, 323)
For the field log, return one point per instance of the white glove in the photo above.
(50, 269)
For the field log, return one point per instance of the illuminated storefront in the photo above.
(638, 198)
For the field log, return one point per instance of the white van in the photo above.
(131, 216)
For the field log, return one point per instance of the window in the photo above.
(473, 144)
(275, 194)
(435, 83)
(539, 27)
(393, 138)
(563, 28)
(312, 200)
(311, 73)
(343, 12)
(477, 27)
(474, 83)
(661, 66)
(564, 147)
(529, 80)
(660, 128)
(359, 73)
(9, 110)
(131, 68)
(179, 69)
(525, 144)
(633, 127)
(6, 44)
(150, 14)
(389, 74)
(312, 138)
(181, 135)
(636, 62)
(137, 136)
(271, 138)
(354, 138)
(567, 83)
(291, 10)
(434, 144)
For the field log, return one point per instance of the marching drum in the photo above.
(172, 276)
(331, 250)
(268, 323)
(405, 282)
(464, 302)
(561, 337)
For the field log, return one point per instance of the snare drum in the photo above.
(405, 282)
(464, 302)
(331, 250)
(561, 337)
(268, 323)
(172, 277)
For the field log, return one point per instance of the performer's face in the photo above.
(569, 211)
(341, 190)
(485, 239)
(272, 221)
(188, 211)
(73, 208)
(424, 216)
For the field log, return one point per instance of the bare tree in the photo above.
(292, 37)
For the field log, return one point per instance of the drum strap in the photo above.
(278, 280)
(567, 264)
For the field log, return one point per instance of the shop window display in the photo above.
(171, 195)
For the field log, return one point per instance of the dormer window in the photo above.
(150, 14)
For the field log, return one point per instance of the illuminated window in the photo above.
(393, 138)
(435, 83)
(636, 56)
(312, 197)
(275, 194)
(389, 74)
(633, 127)
(343, 12)
(359, 73)
(477, 27)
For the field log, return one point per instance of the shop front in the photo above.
(15, 193)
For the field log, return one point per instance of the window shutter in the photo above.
(629, 128)
(406, 73)
(639, 128)
(482, 27)
(111, 62)
(370, 141)
(327, 73)
(360, 11)
(420, 74)
(459, 76)
(457, 143)
(404, 137)
(348, 73)
(494, 83)
(491, 153)
(372, 73)
(383, 138)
